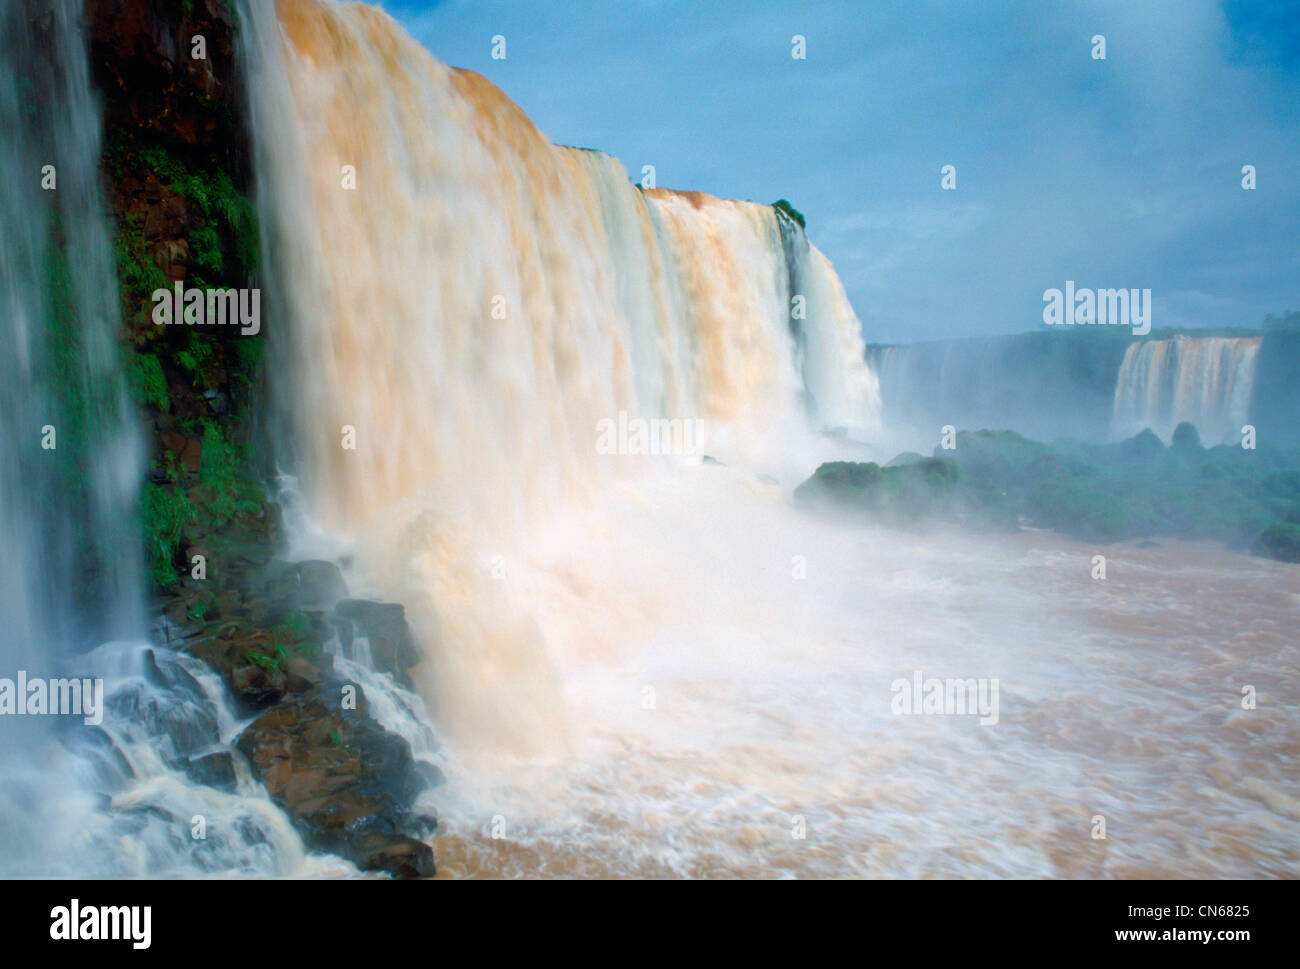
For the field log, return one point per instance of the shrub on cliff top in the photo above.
(790, 212)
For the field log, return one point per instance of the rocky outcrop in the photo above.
(348, 785)
(178, 177)
(1133, 489)
(909, 494)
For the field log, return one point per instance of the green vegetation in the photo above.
(195, 358)
(177, 510)
(171, 369)
(290, 637)
(148, 384)
(137, 274)
(909, 494)
(224, 213)
(1138, 488)
(790, 212)
(167, 511)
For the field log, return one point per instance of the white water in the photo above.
(650, 666)
(1205, 381)
(474, 427)
(78, 800)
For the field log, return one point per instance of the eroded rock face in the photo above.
(392, 647)
(147, 47)
(348, 785)
(178, 178)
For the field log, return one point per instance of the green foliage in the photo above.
(137, 273)
(195, 357)
(1103, 493)
(288, 638)
(148, 384)
(790, 212)
(249, 353)
(223, 469)
(1288, 321)
(222, 212)
(907, 494)
(1280, 541)
(166, 514)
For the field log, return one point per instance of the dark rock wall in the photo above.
(178, 178)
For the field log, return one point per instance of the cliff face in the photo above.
(177, 178)
(1275, 406)
(177, 174)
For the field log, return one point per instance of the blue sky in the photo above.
(1117, 173)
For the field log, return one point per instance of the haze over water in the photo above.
(659, 667)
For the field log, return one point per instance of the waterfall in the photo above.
(469, 302)
(107, 799)
(1207, 381)
(1050, 385)
(70, 458)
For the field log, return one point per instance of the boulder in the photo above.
(346, 783)
(215, 768)
(320, 584)
(392, 647)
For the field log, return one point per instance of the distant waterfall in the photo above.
(1052, 385)
(1206, 381)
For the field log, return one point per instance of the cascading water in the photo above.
(69, 458)
(475, 304)
(1044, 385)
(110, 798)
(652, 665)
(1205, 381)
(1089, 386)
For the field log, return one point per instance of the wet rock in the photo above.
(96, 745)
(167, 702)
(218, 401)
(215, 768)
(392, 648)
(347, 784)
(400, 856)
(320, 584)
(421, 825)
(302, 675)
(257, 686)
(346, 634)
(430, 775)
(188, 450)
